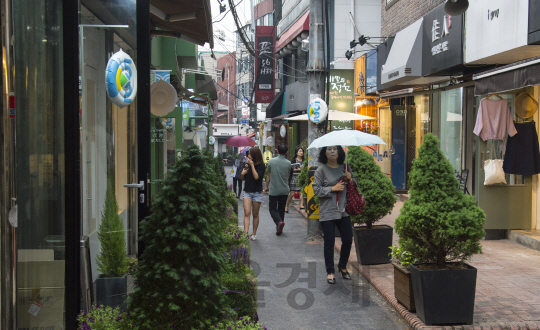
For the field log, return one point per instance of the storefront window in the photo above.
(40, 166)
(422, 119)
(385, 133)
(451, 110)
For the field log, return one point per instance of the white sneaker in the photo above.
(253, 237)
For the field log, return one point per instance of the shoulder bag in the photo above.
(355, 200)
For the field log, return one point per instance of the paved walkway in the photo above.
(507, 287)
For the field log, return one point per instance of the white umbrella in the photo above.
(335, 115)
(346, 138)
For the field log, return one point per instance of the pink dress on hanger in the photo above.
(494, 120)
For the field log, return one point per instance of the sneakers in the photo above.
(280, 228)
(253, 237)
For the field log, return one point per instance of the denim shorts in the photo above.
(254, 196)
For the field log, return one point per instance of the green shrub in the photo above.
(240, 292)
(403, 257)
(177, 283)
(111, 261)
(438, 223)
(244, 323)
(104, 318)
(376, 187)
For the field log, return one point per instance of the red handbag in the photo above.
(355, 200)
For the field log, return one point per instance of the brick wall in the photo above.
(401, 13)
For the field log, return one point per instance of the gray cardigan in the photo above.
(324, 179)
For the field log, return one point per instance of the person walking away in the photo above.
(253, 174)
(296, 166)
(277, 186)
(326, 184)
(240, 162)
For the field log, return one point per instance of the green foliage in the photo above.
(403, 257)
(438, 223)
(303, 177)
(376, 187)
(244, 323)
(177, 283)
(104, 318)
(132, 264)
(111, 261)
(240, 291)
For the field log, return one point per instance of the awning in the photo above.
(512, 76)
(298, 27)
(274, 108)
(190, 20)
(405, 59)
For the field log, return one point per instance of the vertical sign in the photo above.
(264, 65)
(11, 101)
(341, 96)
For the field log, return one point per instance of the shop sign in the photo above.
(371, 71)
(442, 46)
(341, 96)
(265, 64)
(496, 27)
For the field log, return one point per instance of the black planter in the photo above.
(373, 245)
(111, 291)
(444, 296)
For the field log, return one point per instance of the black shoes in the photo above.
(345, 274)
(280, 228)
(331, 279)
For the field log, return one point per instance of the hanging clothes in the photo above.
(522, 151)
(494, 120)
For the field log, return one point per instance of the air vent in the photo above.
(408, 70)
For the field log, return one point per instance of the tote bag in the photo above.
(493, 169)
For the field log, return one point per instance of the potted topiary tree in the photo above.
(371, 241)
(177, 281)
(442, 226)
(111, 285)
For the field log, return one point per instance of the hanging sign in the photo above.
(264, 65)
(317, 110)
(121, 79)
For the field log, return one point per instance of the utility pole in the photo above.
(315, 74)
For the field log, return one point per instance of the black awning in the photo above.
(274, 108)
(513, 76)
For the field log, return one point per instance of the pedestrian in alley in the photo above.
(277, 186)
(326, 184)
(239, 163)
(296, 166)
(253, 174)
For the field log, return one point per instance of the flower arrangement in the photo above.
(238, 257)
(105, 318)
(236, 236)
(245, 323)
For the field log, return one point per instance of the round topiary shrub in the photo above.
(438, 223)
(376, 187)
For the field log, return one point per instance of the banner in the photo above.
(341, 96)
(265, 64)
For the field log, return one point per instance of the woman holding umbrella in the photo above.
(252, 174)
(327, 182)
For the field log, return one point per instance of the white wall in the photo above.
(367, 16)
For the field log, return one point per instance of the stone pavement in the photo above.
(507, 286)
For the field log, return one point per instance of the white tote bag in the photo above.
(494, 169)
